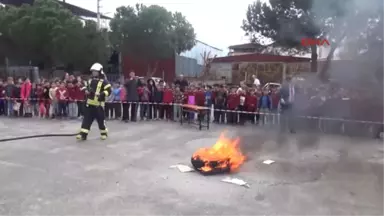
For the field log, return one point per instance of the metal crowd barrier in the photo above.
(317, 124)
(339, 126)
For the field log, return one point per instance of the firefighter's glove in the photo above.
(101, 96)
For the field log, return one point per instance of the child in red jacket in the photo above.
(251, 105)
(80, 98)
(40, 100)
(25, 95)
(275, 99)
(2, 98)
(62, 97)
(144, 94)
(200, 96)
(72, 104)
(242, 116)
(190, 99)
(233, 102)
(167, 100)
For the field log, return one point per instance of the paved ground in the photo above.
(129, 174)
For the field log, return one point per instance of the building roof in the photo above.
(246, 46)
(271, 49)
(218, 49)
(78, 11)
(255, 57)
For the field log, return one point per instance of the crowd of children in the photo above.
(161, 101)
(62, 98)
(49, 99)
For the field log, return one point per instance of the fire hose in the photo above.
(37, 136)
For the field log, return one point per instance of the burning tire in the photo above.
(225, 156)
(217, 167)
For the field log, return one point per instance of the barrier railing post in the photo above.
(319, 125)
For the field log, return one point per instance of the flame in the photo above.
(225, 152)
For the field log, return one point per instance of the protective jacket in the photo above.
(99, 90)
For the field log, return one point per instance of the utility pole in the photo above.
(98, 14)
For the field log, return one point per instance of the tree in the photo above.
(366, 40)
(46, 33)
(150, 33)
(208, 59)
(366, 43)
(81, 45)
(287, 22)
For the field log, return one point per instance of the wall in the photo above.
(199, 49)
(220, 70)
(141, 67)
(187, 66)
(189, 63)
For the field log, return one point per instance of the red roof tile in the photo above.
(255, 57)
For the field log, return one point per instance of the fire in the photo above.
(224, 156)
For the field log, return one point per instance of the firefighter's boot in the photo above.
(81, 137)
(103, 134)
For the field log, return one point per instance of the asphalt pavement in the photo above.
(129, 173)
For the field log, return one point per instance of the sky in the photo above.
(217, 23)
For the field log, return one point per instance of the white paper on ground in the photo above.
(235, 181)
(268, 162)
(183, 168)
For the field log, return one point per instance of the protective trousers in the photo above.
(91, 113)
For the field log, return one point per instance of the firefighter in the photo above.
(96, 90)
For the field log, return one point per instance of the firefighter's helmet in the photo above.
(99, 68)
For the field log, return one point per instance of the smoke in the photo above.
(361, 22)
(355, 87)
